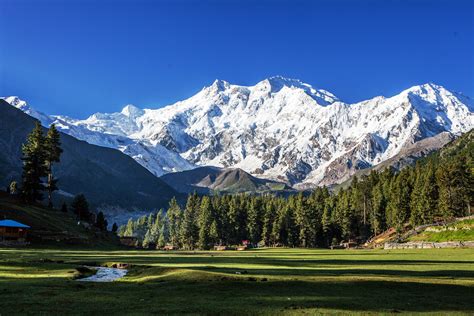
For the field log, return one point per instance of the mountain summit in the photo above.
(280, 128)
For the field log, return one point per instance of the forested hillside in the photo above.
(438, 187)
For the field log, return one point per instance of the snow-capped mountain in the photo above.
(22, 105)
(280, 128)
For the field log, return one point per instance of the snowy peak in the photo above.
(426, 89)
(429, 92)
(132, 111)
(277, 83)
(435, 94)
(23, 105)
(280, 129)
(219, 85)
(439, 109)
(16, 102)
(268, 88)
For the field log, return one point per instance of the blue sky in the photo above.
(80, 57)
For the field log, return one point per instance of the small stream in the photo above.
(105, 275)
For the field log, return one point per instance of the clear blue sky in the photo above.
(80, 57)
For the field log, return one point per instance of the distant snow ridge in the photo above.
(280, 128)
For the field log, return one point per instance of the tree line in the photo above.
(438, 187)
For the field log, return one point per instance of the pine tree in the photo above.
(100, 222)
(326, 220)
(301, 218)
(163, 234)
(377, 218)
(343, 215)
(399, 204)
(268, 219)
(428, 206)
(155, 227)
(455, 181)
(174, 215)
(129, 229)
(416, 203)
(80, 207)
(114, 228)
(33, 165)
(234, 221)
(277, 232)
(121, 230)
(254, 225)
(53, 152)
(205, 222)
(147, 240)
(189, 233)
(214, 233)
(220, 214)
(290, 225)
(357, 199)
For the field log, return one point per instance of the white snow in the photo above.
(280, 126)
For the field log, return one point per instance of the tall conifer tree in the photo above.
(53, 152)
(34, 168)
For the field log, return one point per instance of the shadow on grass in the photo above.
(217, 295)
(342, 272)
(206, 259)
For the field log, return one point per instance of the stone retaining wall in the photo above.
(426, 245)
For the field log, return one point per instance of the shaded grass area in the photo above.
(271, 281)
(53, 227)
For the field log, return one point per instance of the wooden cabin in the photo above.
(13, 231)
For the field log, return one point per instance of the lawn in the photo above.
(267, 281)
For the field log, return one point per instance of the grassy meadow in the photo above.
(266, 281)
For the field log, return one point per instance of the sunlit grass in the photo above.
(459, 231)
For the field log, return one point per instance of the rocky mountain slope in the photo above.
(280, 129)
(406, 157)
(108, 178)
(208, 180)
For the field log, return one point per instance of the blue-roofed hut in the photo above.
(11, 230)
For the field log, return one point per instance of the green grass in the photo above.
(459, 231)
(269, 281)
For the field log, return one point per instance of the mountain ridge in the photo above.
(280, 128)
(211, 180)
